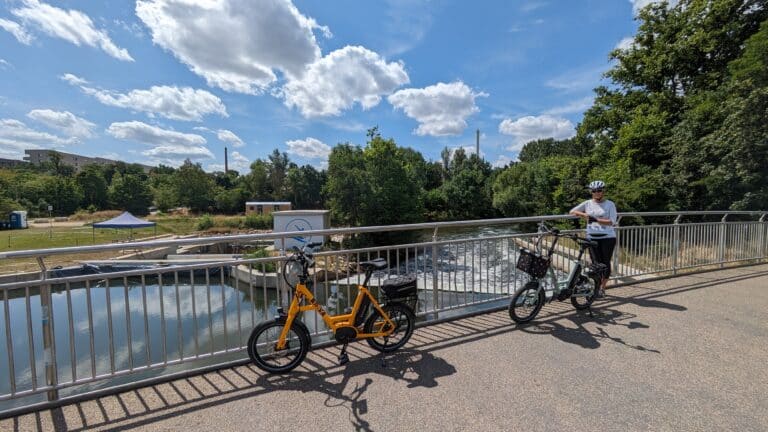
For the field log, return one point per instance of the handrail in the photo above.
(34, 253)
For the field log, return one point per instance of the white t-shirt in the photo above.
(605, 209)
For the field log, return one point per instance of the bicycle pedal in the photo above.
(343, 359)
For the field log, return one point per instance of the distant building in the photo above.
(38, 157)
(266, 207)
(11, 163)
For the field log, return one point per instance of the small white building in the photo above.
(266, 207)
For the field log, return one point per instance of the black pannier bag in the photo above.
(532, 263)
(401, 289)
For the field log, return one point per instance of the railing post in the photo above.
(617, 250)
(435, 295)
(721, 252)
(285, 294)
(763, 245)
(676, 244)
(49, 350)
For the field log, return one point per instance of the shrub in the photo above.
(256, 221)
(268, 267)
(205, 222)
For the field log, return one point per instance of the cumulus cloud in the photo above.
(175, 103)
(502, 161)
(310, 148)
(237, 162)
(441, 109)
(15, 137)
(234, 44)
(153, 135)
(639, 4)
(626, 43)
(169, 147)
(64, 121)
(16, 30)
(230, 137)
(71, 25)
(577, 79)
(529, 128)
(343, 77)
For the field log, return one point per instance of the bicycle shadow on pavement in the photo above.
(585, 338)
(415, 368)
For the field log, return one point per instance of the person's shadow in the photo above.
(415, 368)
(584, 338)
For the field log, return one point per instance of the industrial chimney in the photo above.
(226, 162)
(477, 145)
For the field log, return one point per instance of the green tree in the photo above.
(304, 186)
(131, 193)
(194, 188)
(63, 194)
(91, 181)
(347, 190)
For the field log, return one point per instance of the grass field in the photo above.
(41, 236)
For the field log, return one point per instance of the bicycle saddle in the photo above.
(377, 264)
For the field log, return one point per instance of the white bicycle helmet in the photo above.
(597, 184)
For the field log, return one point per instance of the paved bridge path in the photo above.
(688, 353)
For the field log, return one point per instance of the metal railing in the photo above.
(66, 336)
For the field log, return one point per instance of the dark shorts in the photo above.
(603, 252)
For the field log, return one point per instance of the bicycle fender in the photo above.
(300, 328)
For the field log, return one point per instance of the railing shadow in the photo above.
(416, 366)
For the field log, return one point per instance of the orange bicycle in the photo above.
(280, 345)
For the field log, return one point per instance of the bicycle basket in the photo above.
(532, 263)
(401, 289)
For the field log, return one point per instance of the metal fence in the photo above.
(69, 335)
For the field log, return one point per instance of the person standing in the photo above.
(601, 217)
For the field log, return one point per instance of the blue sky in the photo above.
(159, 81)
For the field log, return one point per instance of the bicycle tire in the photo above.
(587, 301)
(262, 353)
(400, 314)
(522, 298)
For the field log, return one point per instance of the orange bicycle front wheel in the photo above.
(262, 347)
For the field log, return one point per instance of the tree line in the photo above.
(683, 124)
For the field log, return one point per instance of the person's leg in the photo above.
(607, 246)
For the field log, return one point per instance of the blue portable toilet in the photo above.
(18, 219)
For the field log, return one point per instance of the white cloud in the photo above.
(577, 79)
(175, 154)
(175, 103)
(235, 45)
(230, 137)
(441, 109)
(639, 4)
(529, 128)
(236, 162)
(169, 147)
(343, 77)
(72, 26)
(15, 137)
(4, 64)
(64, 121)
(310, 148)
(626, 43)
(16, 30)
(153, 135)
(73, 79)
(502, 161)
(577, 106)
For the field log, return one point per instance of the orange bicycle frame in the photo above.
(333, 321)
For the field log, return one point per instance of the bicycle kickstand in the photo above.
(343, 357)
